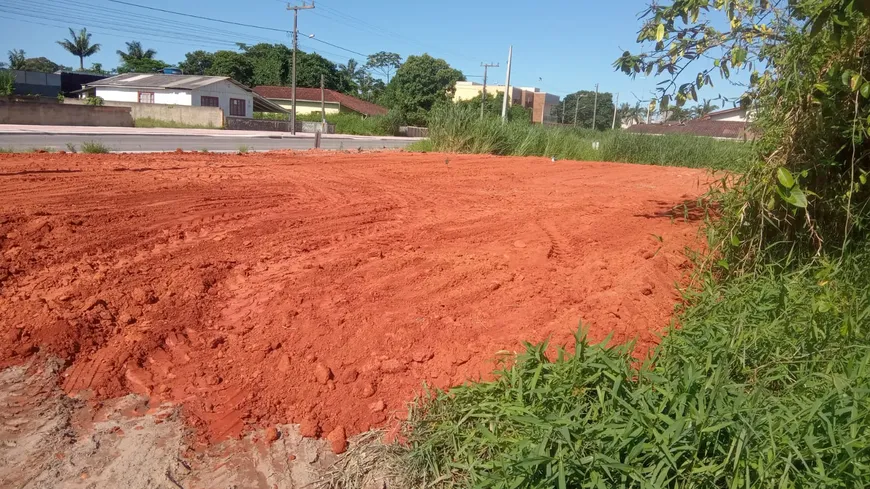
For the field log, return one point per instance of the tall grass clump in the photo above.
(460, 129)
(95, 147)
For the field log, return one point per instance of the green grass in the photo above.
(422, 146)
(459, 130)
(357, 125)
(151, 122)
(766, 384)
(94, 147)
(7, 149)
(243, 149)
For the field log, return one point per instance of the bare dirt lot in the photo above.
(323, 289)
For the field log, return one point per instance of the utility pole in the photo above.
(576, 108)
(595, 107)
(507, 86)
(615, 105)
(295, 9)
(486, 67)
(648, 111)
(322, 100)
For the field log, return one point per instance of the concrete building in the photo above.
(738, 114)
(233, 98)
(541, 104)
(308, 101)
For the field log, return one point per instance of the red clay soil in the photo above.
(324, 288)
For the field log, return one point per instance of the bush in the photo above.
(7, 83)
(95, 101)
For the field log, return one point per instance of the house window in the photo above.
(209, 101)
(237, 107)
(146, 97)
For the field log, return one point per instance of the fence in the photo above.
(181, 114)
(55, 114)
(414, 132)
(242, 124)
(36, 83)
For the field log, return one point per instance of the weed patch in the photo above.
(95, 147)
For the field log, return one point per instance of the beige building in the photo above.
(308, 100)
(541, 104)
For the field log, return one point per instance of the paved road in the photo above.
(127, 142)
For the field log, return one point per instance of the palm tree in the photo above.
(80, 45)
(701, 110)
(135, 52)
(17, 59)
(350, 75)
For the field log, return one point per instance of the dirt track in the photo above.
(323, 288)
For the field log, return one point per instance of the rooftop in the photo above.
(313, 95)
(160, 80)
(696, 127)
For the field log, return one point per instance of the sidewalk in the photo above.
(12, 129)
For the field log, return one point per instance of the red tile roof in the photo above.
(313, 95)
(703, 127)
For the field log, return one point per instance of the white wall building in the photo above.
(235, 99)
(738, 114)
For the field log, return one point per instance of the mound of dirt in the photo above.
(324, 289)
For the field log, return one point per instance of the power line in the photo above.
(200, 17)
(126, 28)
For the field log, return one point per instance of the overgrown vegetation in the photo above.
(354, 124)
(95, 147)
(151, 122)
(460, 129)
(7, 83)
(766, 382)
(765, 385)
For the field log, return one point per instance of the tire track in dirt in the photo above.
(288, 287)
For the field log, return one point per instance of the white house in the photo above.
(235, 99)
(738, 114)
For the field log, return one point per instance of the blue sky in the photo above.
(559, 46)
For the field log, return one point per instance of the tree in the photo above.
(80, 45)
(142, 65)
(196, 62)
(309, 67)
(370, 88)
(234, 65)
(492, 107)
(702, 110)
(97, 68)
(135, 52)
(632, 114)
(585, 109)
(349, 76)
(419, 84)
(271, 63)
(17, 59)
(384, 63)
(809, 82)
(678, 114)
(43, 65)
